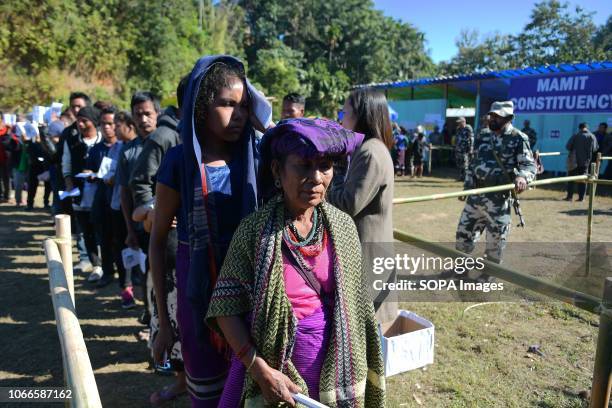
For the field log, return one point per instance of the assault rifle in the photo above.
(516, 203)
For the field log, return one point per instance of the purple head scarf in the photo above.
(307, 138)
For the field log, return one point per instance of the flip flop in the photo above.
(164, 395)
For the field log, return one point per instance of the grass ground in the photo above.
(481, 357)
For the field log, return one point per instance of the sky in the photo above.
(442, 20)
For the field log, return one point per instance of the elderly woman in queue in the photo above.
(291, 299)
(366, 193)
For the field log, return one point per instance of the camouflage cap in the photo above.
(503, 109)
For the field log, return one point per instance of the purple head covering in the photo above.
(309, 138)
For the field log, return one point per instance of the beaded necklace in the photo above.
(311, 245)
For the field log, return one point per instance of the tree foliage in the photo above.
(555, 33)
(320, 48)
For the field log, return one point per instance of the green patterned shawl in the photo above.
(251, 280)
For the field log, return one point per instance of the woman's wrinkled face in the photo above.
(304, 181)
(229, 112)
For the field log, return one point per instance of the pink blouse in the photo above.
(303, 298)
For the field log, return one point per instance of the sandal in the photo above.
(164, 395)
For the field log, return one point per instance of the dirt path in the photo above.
(30, 345)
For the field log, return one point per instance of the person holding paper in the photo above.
(101, 208)
(125, 130)
(291, 298)
(145, 110)
(74, 157)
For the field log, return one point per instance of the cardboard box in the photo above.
(407, 343)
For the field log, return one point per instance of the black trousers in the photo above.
(89, 235)
(33, 186)
(111, 233)
(5, 175)
(578, 171)
(118, 244)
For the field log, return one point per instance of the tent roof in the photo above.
(503, 74)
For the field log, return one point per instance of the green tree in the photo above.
(278, 71)
(329, 89)
(603, 39)
(555, 34)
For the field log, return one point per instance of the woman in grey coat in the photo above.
(366, 193)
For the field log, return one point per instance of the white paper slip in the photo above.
(75, 192)
(307, 401)
(130, 257)
(134, 257)
(105, 167)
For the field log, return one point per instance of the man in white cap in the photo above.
(492, 211)
(464, 146)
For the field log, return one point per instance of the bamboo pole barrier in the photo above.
(484, 190)
(602, 371)
(606, 157)
(546, 154)
(592, 187)
(77, 367)
(604, 182)
(598, 163)
(63, 235)
(581, 300)
(442, 147)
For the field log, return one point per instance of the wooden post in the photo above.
(593, 185)
(63, 235)
(77, 367)
(602, 372)
(598, 163)
(429, 162)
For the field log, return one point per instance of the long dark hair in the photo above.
(370, 107)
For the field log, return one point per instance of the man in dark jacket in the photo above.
(581, 146)
(154, 149)
(78, 101)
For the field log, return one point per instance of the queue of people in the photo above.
(255, 234)
(254, 278)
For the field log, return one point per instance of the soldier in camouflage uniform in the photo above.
(464, 146)
(531, 134)
(492, 211)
